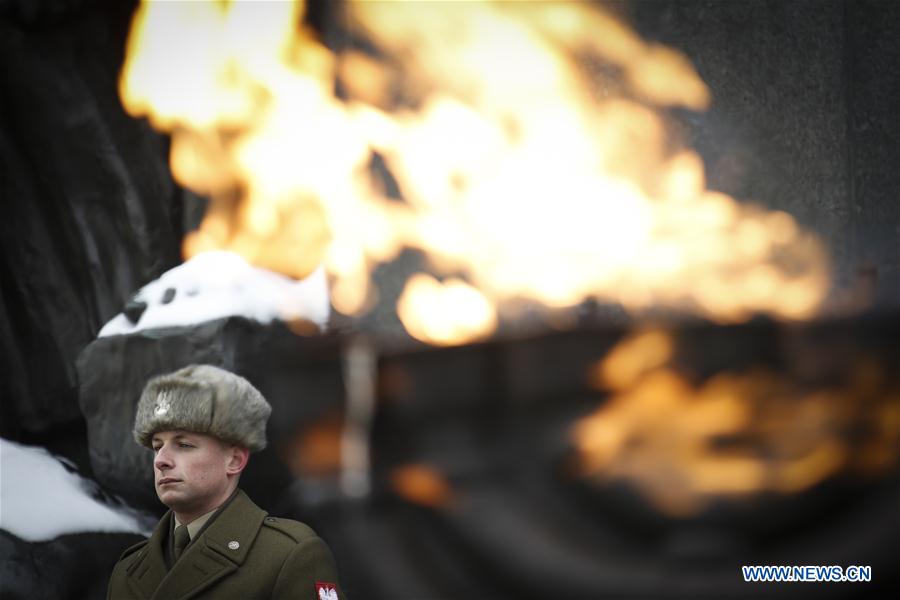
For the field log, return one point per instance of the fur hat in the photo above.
(203, 399)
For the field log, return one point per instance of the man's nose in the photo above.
(162, 460)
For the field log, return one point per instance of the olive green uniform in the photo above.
(241, 553)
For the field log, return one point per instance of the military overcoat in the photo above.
(242, 553)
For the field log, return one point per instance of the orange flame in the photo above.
(316, 449)
(520, 170)
(422, 484)
(684, 445)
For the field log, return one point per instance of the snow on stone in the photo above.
(219, 284)
(40, 499)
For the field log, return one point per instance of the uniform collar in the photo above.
(197, 524)
(219, 549)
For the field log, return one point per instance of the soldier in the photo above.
(202, 423)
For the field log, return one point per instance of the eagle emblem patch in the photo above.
(162, 404)
(326, 590)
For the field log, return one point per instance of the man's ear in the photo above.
(237, 460)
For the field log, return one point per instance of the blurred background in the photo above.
(595, 298)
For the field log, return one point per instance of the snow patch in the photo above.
(41, 500)
(218, 284)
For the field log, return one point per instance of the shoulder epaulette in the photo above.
(293, 529)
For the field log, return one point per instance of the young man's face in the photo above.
(194, 472)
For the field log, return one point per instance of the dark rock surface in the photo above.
(803, 117)
(90, 212)
(514, 521)
(873, 89)
(300, 377)
(70, 567)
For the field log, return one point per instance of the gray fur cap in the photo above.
(203, 399)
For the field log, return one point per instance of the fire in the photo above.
(421, 484)
(525, 171)
(316, 449)
(436, 312)
(684, 445)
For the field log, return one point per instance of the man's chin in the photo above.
(170, 498)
